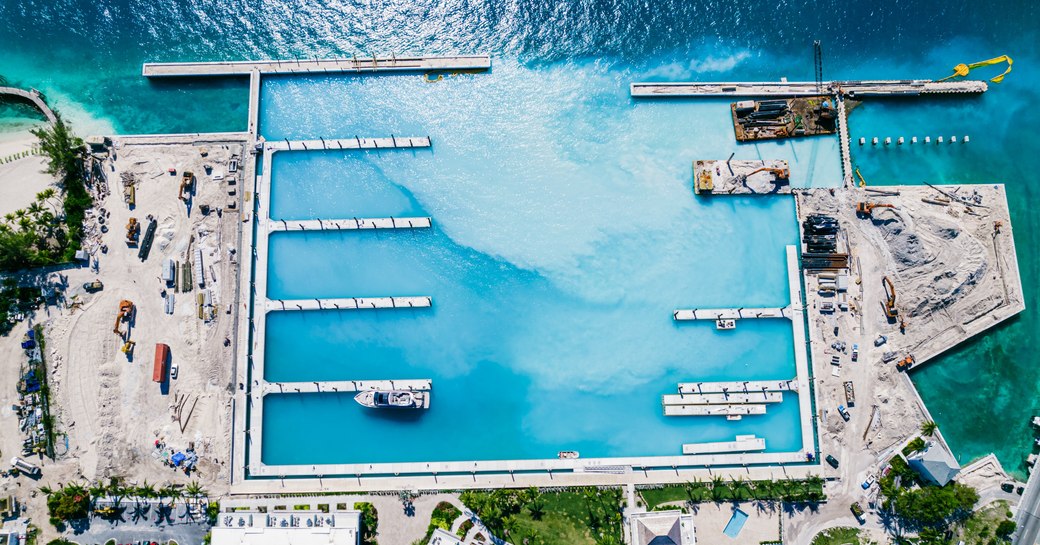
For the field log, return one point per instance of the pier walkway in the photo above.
(743, 443)
(723, 398)
(745, 386)
(349, 224)
(713, 410)
(349, 303)
(807, 88)
(346, 386)
(350, 143)
(731, 313)
(317, 66)
(843, 140)
(32, 96)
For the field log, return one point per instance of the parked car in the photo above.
(91, 287)
(867, 483)
(855, 352)
(1007, 487)
(844, 412)
(832, 461)
(857, 511)
(173, 371)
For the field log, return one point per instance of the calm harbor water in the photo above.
(86, 57)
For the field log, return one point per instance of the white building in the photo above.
(440, 537)
(253, 527)
(661, 528)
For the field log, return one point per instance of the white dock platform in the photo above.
(806, 88)
(321, 66)
(347, 386)
(744, 386)
(391, 142)
(349, 224)
(713, 410)
(349, 303)
(743, 443)
(722, 399)
(731, 313)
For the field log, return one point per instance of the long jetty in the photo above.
(744, 386)
(32, 96)
(843, 140)
(320, 66)
(349, 303)
(851, 89)
(349, 224)
(349, 143)
(347, 386)
(731, 313)
(743, 443)
(714, 410)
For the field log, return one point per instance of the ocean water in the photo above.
(86, 58)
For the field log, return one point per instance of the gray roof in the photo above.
(659, 529)
(935, 464)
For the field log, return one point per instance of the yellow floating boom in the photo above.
(962, 70)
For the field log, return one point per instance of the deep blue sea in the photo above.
(563, 68)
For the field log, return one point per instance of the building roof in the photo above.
(440, 537)
(935, 464)
(292, 528)
(661, 528)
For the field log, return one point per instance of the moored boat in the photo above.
(568, 454)
(393, 399)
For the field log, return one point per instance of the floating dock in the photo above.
(349, 224)
(741, 177)
(713, 410)
(347, 386)
(743, 443)
(724, 398)
(731, 313)
(852, 89)
(349, 303)
(320, 66)
(738, 386)
(357, 142)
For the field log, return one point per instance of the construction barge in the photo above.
(741, 177)
(784, 118)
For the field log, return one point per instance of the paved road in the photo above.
(1028, 517)
(144, 529)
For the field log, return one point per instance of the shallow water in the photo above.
(86, 57)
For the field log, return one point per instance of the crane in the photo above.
(866, 209)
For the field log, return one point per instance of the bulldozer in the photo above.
(126, 312)
(133, 231)
(889, 306)
(866, 209)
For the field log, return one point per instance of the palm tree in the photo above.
(96, 490)
(169, 491)
(738, 485)
(194, 490)
(929, 428)
(719, 489)
(65, 151)
(145, 490)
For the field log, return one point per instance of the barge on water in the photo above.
(784, 118)
(741, 177)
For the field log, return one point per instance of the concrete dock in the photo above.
(741, 177)
(349, 143)
(346, 386)
(349, 224)
(713, 410)
(738, 386)
(853, 89)
(723, 398)
(31, 96)
(349, 303)
(843, 140)
(743, 443)
(731, 313)
(318, 66)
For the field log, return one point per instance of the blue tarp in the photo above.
(177, 458)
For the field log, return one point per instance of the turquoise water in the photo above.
(735, 524)
(86, 57)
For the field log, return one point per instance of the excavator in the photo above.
(133, 229)
(866, 209)
(962, 70)
(126, 311)
(782, 174)
(889, 306)
(187, 185)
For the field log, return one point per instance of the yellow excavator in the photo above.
(962, 70)
(126, 310)
(866, 209)
(889, 306)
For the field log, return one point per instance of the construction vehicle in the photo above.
(126, 312)
(91, 287)
(780, 173)
(889, 306)
(133, 231)
(905, 363)
(187, 185)
(866, 209)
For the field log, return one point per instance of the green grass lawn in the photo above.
(837, 536)
(571, 517)
(981, 526)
